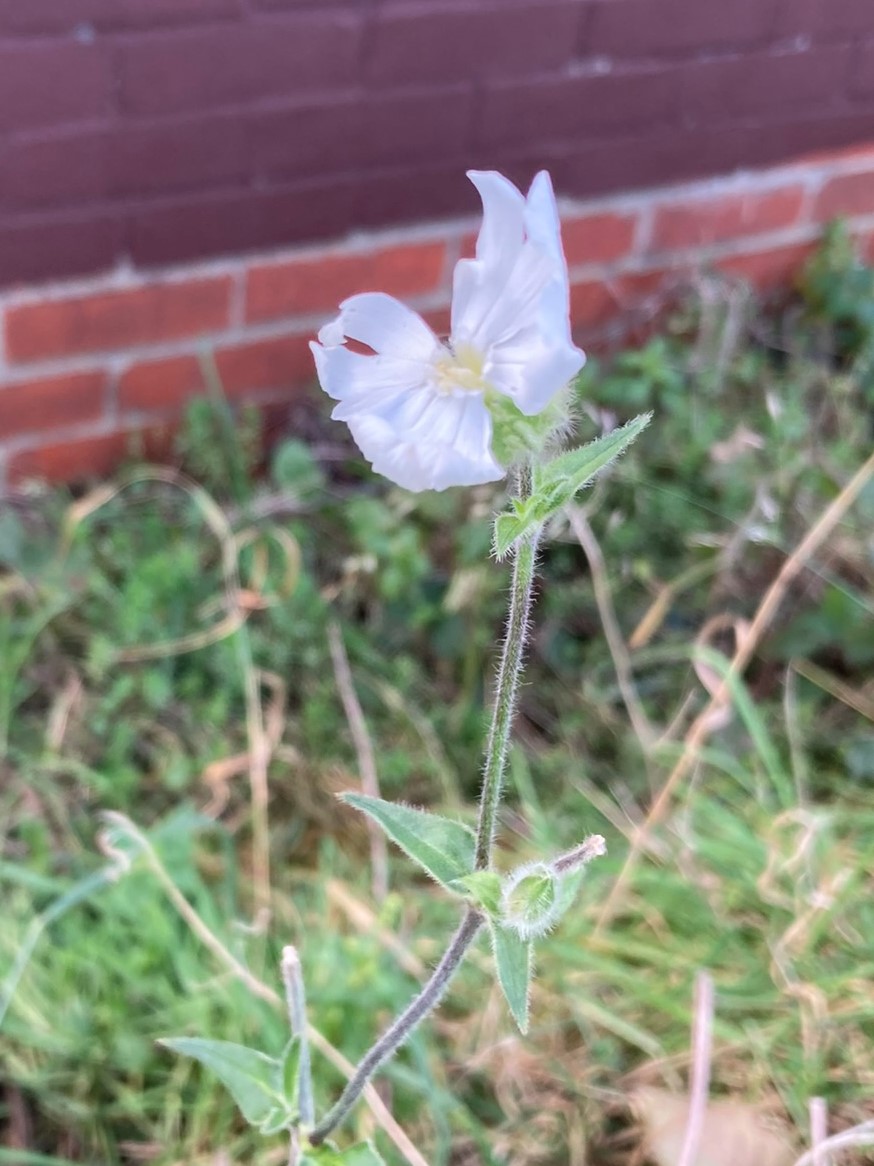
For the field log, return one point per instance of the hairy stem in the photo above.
(391, 1040)
(292, 978)
(509, 672)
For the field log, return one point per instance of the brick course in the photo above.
(171, 130)
(86, 367)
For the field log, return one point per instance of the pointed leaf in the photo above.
(289, 1067)
(513, 962)
(443, 848)
(482, 887)
(561, 478)
(277, 1119)
(558, 481)
(249, 1075)
(361, 1154)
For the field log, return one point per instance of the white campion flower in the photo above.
(418, 407)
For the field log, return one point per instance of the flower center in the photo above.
(460, 368)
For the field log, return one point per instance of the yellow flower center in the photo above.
(460, 368)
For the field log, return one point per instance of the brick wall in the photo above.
(151, 132)
(87, 364)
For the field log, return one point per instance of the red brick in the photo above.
(768, 270)
(702, 221)
(52, 83)
(276, 363)
(230, 63)
(84, 458)
(301, 286)
(51, 402)
(600, 237)
(847, 194)
(592, 303)
(160, 384)
(116, 320)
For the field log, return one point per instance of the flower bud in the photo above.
(530, 900)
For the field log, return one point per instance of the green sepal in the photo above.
(482, 888)
(514, 961)
(556, 482)
(441, 847)
(250, 1076)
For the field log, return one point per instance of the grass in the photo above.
(167, 655)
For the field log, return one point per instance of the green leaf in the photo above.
(289, 1067)
(361, 1154)
(561, 478)
(513, 961)
(250, 1076)
(556, 482)
(443, 848)
(482, 887)
(277, 1120)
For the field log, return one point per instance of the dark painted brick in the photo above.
(52, 246)
(378, 130)
(764, 85)
(52, 83)
(647, 28)
(229, 63)
(862, 80)
(140, 158)
(33, 17)
(466, 41)
(837, 18)
(571, 107)
(220, 224)
(179, 154)
(428, 192)
(54, 169)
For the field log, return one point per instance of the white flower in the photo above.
(419, 407)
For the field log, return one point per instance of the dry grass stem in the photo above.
(702, 1050)
(364, 752)
(644, 731)
(819, 1130)
(700, 728)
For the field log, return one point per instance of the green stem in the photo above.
(503, 712)
(509, 673)
(397, 1033)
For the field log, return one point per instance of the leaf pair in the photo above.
(265, 1090)
(557, 482)
(445, 850)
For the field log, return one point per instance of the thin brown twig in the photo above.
(700, 728)
(702, 1049)
(644, 731)
(364, 753)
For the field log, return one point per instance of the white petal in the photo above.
(520, 318)
(477, 282)
(503, 229)
(387, 326)
(429, 440)
(359, 381)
